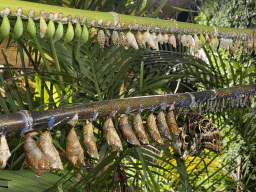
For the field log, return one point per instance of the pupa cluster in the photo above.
(197, 133)
(137, 36)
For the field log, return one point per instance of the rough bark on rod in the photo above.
(15, 122)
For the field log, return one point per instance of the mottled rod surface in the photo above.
(16, 122)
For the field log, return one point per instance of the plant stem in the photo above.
(56, 61)
(46, 63)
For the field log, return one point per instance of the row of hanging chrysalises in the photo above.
(197, 133)
(143, 33)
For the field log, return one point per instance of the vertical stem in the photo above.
(56, 61)
(46, 63)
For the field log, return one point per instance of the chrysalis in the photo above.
(140, 40)
(5, 153)
(149, 40)
(214, 43)
(123, 40)
(139, 129)
(172, 40)
(43, 27)
(50, 152)
(154, 37)
(165, 38)
(31, 13)
(101, 38)
(249, 45)
(190, 41)
(163, 127)
(115, 38)
(207, 40)
(127, 131)
(183, 40)
(160, 38)
(74, 151)
(171, 122)
(35, 159)
(153, 131)
(107, 38)
(131, 40)
(110, 134)
(89, 141)
(197, 42)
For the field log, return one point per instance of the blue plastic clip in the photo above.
(95, 115)
(51, 123)
(128, 109)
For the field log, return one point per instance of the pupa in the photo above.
(127, 131)
(163, 127)
(5, 153)
(35, 158)
(153, 131)
(110, 134)
(89, 141)
(171, 122)
(139, 129)
(50, 152)
(74, 150)
(132, 40)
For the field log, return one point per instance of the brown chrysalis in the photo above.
(127, 131)
(110, 134)
(74, 151)
(171, 122)
(89, 141)
(139, 129)
(50, 152)
(163, 127)
(153, 131)
(35, 159)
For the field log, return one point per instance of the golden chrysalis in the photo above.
(110, 134)
(140, 40)
(74, 151)
(153, 131)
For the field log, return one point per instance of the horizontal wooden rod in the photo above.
(16, 122)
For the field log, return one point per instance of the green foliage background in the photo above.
(69, 74)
